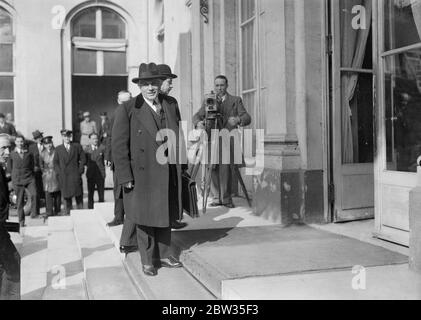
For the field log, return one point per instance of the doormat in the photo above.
(235, 253)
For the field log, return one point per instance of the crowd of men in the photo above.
(148, 194)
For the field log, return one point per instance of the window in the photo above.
(249, 63)
(6, 63)
(356, 72)
(248, 56)
(401, 59)
(99, 43)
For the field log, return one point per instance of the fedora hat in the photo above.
(37, 134)
(165, 70)
(148, 72)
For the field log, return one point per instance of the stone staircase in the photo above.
(77, 258)
(170, 284)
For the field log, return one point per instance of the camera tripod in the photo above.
(209, 166)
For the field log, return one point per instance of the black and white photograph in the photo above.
(211, 154)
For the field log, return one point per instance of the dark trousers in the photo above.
(20, 193)
(68, 204)
(153, 243)
(128, 234)
(53, 203)
(97, 183)
(9, 267)
(40, 189)
(221, 181)
(118, 202)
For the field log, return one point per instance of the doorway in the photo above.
(351, 114)
(96, 95)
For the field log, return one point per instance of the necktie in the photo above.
(158, 108)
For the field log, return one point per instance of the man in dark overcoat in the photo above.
(36, 149)
(104, 129)
(69, 163)
(95, 172)
(9, 256)
(152, 187)
(21, 165)
(123, 96)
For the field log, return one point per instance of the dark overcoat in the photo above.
(21, 169)
(95, 163)
(134, 149)
(70, 167)
(4, 196)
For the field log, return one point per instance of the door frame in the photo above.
(133, 51)
(382, 175)
(336, 168)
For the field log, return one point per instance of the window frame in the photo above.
(100, 60)
(13, 72)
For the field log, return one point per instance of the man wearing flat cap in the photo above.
(69, 163)
(50, 178)
(152, 187)
(87, 127)
(36, 149)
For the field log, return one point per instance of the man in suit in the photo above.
(233, 115)
(123, 96)
(5, 127)
(166, 88)
(36, 149)
(95, 172)
(69, 163)
(104, 129)
(152, 188)
(21, 166)
(9, 256)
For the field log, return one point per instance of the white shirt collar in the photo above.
(150, 103)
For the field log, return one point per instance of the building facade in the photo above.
(334, 84)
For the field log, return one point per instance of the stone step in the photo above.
(104, 273)
(170, 284)
(65, 267)
(34, 267)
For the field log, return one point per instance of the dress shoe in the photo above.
(149, 270)
(170, 262)
(215, 204)
(114, 223)
(128, 249)
(178, 225)
(229, 205)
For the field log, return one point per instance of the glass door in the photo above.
(352, 110)
(399, 118)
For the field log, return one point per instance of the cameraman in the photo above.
(9, 257)
(232, 115)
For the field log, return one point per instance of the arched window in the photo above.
(99, 40)
(6, 63)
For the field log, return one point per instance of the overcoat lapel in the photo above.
(146, 119)
(66, 154)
